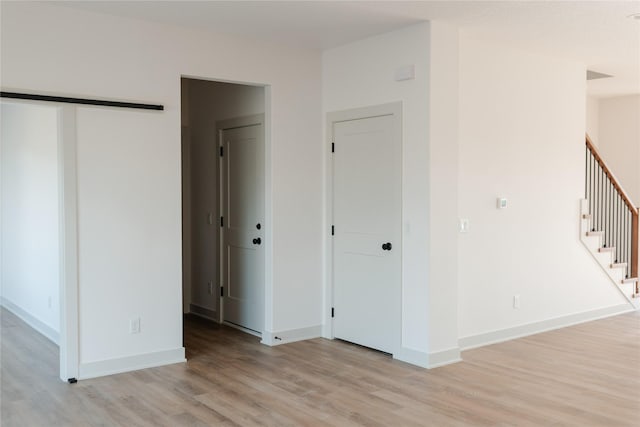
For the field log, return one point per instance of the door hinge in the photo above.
(333, 312)
(221, 151)
(221, 291)
(333, 230)
(221, 221)
(333, 147)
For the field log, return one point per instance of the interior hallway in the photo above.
(586, 375)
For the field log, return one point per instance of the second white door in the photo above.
(367, 231)
(242, 207)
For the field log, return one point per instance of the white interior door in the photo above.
(243, 228)
(367, 231)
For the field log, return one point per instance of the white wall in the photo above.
(620, 141)
(362, 74)
(521, 135)
(593, 119)
(443, 194)
(30, 264)
(210, 102)
(129, 168)
(125, 220)
(522, 124)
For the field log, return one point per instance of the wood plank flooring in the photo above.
(586, 375)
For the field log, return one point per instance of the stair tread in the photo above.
(630, 280)
(609, 249)
(618, 265)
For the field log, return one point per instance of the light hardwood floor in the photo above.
(586, 375)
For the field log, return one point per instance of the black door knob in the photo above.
(258, 226)
(386, 246)
(257, 241)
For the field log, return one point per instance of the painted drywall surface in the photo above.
(30, 242)
(209, 103)
(593, 119)
(361, 74)
(443, 188)
(522, 122)
(620, 141)
(132, 60)
(123, 218)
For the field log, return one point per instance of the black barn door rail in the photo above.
(83, 101)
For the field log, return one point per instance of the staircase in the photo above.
(609, 225)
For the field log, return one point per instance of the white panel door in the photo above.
(242, 237)
(367, 220)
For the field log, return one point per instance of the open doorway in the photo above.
(223, 203)
(31, 235)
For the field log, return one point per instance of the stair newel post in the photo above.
(634, 247)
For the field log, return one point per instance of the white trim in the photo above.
(444, 357)
(203, 312)
(391, 108)
(428, 360)
(268, 211)
(501, 335)
(68, 206)
(284, 337)
(327, 297)
(414, 357)
(131, 363)
(41, 327)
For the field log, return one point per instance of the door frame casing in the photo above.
(69, 342)
(221, 126)
(395, 109)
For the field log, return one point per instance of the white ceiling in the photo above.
(596, 33)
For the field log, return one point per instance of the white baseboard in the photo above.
(203, 312)
(428, 360)
(38, 325)
(444, 357)
(414, 357)
(292, 335)
(327, 330)
(130, 363)
(501, 335)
